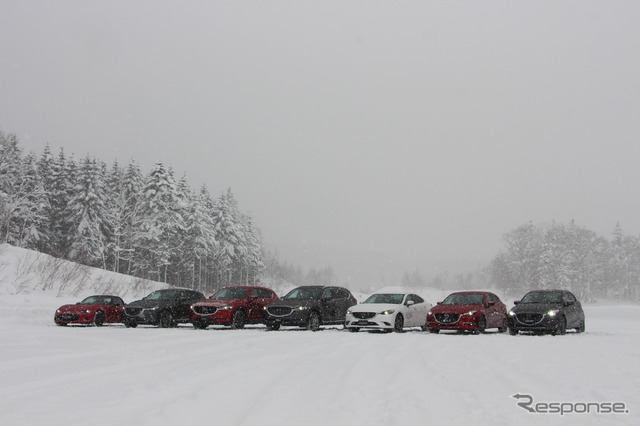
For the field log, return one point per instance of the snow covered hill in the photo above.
(112, 375)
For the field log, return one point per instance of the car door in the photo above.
(258, 299)
(570, 308)
(329, 304)
(417, 312)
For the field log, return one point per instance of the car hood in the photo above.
(150, 303)
(455, 309)
(218, 302)
(535, 308)
(293, 303)
(77, 308)
(374, 307)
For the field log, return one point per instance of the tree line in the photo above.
(556, 255)
(152, 225)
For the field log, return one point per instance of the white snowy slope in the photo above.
(111, 375)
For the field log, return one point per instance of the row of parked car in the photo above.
(539, 311)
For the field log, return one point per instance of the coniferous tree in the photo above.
(10, 175)
(89, 216)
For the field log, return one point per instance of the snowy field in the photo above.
(52, 375)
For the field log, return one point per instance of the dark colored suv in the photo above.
(551, 311)
(310, 307)
(232, 306)
(164, 308)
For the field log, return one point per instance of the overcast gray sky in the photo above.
(353, 131)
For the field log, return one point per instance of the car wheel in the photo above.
(561, 328)
(98, 319)
(274, 326)
(239, 319)
(166, 319)
(434, 330)
(513, 331)
(580, 328)
(130, 324)
(503, 328)
(314, 321)
(61, 324)
(200, 325)
(398, 324)
(482, 325)
(353, 329)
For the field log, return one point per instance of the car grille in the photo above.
(205, 310)
(68, 317)
(364, 315)
(529, 319)
(447, 318)
(279, 311)
(133, 311)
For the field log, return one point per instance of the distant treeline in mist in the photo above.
(555, 255)
(152, 226)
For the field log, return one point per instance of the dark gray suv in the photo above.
(164, 308)
(310, 307)
(546, 311)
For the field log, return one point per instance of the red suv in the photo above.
(232, 306)
(472, 311)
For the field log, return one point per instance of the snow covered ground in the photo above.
(111, 375)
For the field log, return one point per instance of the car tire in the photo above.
(313, 322)
(398, 324)
(482, 325)
(61, 324)
(239, 319)
(580, 328)
(274, 326)
(504, 327)
(166, 319)
(513, 331)
(353, 329)
(98, 319)
(434, 330)
(561, 328)
(130, 324)
(200, 324)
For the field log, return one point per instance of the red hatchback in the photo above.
(232, 306)
(95, 310)
(473, 311)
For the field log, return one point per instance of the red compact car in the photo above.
(473, 311)
(95, 310)
(232, 306)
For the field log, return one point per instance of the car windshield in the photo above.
(231, 293)
(395, 299)
(163, 295)
(542, 297)
(304, 293)
(464, 299)
(93, 300)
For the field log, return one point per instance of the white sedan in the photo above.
(389, 312)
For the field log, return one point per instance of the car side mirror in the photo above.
(410, 302)
(515, 302)
(253, 297)
(492, 303)
(439, 303)
(568, 302)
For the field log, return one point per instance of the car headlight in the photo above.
(58, 311)
(387, 312)
(87, 311)
(302, 308)
(225, 308)
(470, 313)
(429, 313)
(512, 314)
(348, 311)
(553, 312)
